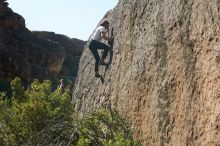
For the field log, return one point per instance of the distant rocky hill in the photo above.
(72, 48)
(29, 55)
(165, 72)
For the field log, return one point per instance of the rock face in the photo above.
(72, 48)
(165, 72)
(32, 55)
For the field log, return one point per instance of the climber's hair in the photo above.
(104, 22)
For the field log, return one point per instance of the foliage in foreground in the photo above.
(104, 127)
(29, 111)
(40, 116)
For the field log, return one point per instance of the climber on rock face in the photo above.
(95, 44)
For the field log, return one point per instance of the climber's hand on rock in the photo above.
(110, 39)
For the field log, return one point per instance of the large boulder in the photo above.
(72, 48)
(164, 75)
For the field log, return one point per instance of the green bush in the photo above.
(104, 127)
(31, 110)
(40, 116)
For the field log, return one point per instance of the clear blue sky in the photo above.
(74, 18)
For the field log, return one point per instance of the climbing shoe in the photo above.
(97, 75)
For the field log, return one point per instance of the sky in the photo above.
(73, 18)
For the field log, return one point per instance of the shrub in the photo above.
(32, 109)
(104, 127)
(40, 116)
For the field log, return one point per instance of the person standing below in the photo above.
(61, 87)
(96, 43)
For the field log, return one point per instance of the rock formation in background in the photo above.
(73, 49)
(165, 72)
(29, 55)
